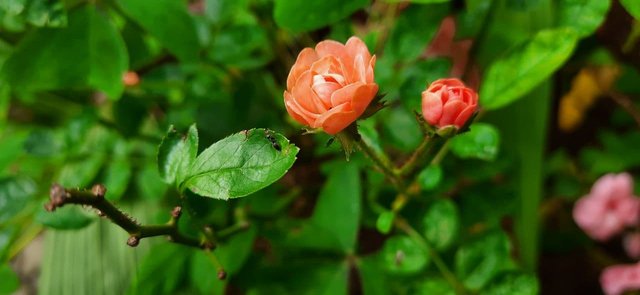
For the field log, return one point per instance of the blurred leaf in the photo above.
(436, 285)
(633, 7)
(220, 12)
(81, 172)
(47, 13)
(526, 66)
(513, 284)
(43, 143)
(406, 43)
(240, 164)
(15, 193)
(404, 132)
(162, 270)
(67, 217)
(129, 113)
(150, 184)
(242, 46)
(430, 177)
(7, 233)
(234, 252)
(299, 16)
(42, 59)
(324, 278)
(418, 75)
(480, 261)
(117, 177)
(10, 282)
(168, 21)
(441, 223)
(584, 16)
(403, 256)
(373, 278)
(418, 1)
(204, 274)
(481, 142)
(176, 154)
(385, 222)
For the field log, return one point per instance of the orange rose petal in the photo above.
(363, 97)
(324, 92)
(336, 119)
(360, 71)
(431, 107)
(293, 111)
(356, 47)
(330, 48)
(306, 57)
(305, 96)
(345, 94)
(370, 70)
(326, 64)
(450, 112)
(464, 116)
(302, 112)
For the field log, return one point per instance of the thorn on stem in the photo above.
(222, 275)
(99, 190)
(133, 241)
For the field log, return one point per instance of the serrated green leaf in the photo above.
(481, 142)
(441, 223)
(403, 256)
(525, 66)
(633, 7)
(168, 21)
(42, 60)
(513, 284)
(15, 193)
(584, 16)
(240, 164)
(176, 154)
(480, 261)
(299, 16)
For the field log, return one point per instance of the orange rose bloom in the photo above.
(448, 102)
(331, 86)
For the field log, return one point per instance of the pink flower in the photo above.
(329, 87)
(620, 278)
(447, 102)
(608, 208)
(631, 243)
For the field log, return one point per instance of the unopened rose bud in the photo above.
(448, 102)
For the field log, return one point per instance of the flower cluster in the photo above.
(331, 86)
(605, 212)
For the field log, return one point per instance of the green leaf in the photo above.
(116, 178)
(168, 21)
(406, 43)
(220, 12)
(234, 252)
(481, 142)
(204, 274)
(526, 66)
(633, 7)
(299, 16)
(324, 278)
(67, 217)
(9, 282)
(162, 270)
(176, 154)
(418, 1)
(80, 173)
(584, 16)
(403, 256)
(442, 223)
(242, 46)
(373, 278)
(43, 143)
(436, 285)
(240, 164)
(430, 177)
(149, 183)
(15, 193)
(480, 261)
(88, 52)
(384, 223)
(513, 284)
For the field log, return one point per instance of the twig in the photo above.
(627, 105)
(60, 196)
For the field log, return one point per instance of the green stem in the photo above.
(437, 260)
(423, 155)
(381, 163)
(61, 196)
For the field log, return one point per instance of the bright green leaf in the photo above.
(526, 66)
(632, 6)
(430, 177)
(513, 284)
(480, 261)
(299, 16)
(385, 222)
(442, 223)
(42, 60)
(404, 256)
(15, 193)
(176, 154)
(481, 142)
(9, 282)
(584, 16)
(373, 276)
(240, 164)
(168, 21)
(436, 285)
